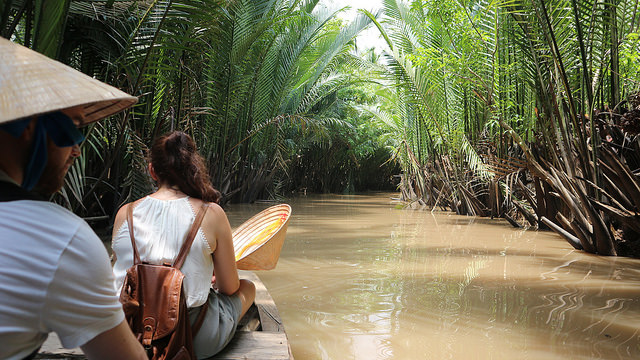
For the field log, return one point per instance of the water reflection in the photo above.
(361, 279)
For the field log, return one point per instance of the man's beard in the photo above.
(51, 180)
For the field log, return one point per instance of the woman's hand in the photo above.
(213, 283)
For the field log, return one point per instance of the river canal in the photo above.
(360, 278)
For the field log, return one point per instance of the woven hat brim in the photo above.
(33, 84)
(265, 255)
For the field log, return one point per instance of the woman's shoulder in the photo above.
(213, 209)
(121, 215)
(214, 216)
(122, 212)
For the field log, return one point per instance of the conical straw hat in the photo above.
(33, 84)
(269, 228)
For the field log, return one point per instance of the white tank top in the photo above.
(160, 228)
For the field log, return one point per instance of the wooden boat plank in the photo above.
(269, 316)
(263, 345)
(250, 321)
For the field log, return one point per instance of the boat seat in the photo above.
(263, 345)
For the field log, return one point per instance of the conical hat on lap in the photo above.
(33, 84)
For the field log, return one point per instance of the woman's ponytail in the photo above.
(177, 163)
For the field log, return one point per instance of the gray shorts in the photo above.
(219, 324)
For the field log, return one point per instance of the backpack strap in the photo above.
(136, 255)
(182, 255)
(200, 319)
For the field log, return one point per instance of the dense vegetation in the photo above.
(521, 109)
(261, 85)
(524, 110)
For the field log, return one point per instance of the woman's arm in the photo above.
(224, 260)
(121, 215)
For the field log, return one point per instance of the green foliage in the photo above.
(253, 82)
(277, 99)
(353, 156)
(470, 72)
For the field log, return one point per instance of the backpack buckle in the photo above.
(148, 329)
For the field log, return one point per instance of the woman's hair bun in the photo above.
(176, 162)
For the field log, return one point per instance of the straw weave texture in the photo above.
(33, 84)
(265, 255)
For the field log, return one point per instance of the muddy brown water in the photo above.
(359, 278)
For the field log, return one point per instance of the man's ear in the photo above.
(152, 173)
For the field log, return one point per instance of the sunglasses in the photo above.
(61, 129)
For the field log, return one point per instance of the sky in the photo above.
(371, 36)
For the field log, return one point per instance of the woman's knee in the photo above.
(248, 290)
(247, 293)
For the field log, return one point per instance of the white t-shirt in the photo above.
(160, 228)
(55, 276)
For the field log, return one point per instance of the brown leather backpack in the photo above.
(154, 301)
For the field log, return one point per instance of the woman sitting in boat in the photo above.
(160, 224)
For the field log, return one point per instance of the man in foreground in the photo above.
(55, 274)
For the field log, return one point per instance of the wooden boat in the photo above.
(260, 334)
